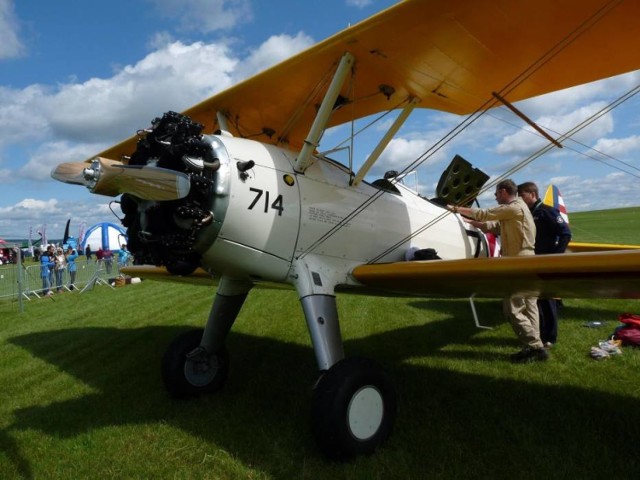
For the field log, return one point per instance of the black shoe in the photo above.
(528, 355)
(515, 357)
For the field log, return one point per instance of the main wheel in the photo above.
(188, 370)
(353, 409)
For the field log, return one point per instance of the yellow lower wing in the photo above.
(573, 275)
(578, 247)
(198, 277)
(150, 272)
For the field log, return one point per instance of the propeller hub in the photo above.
(92, 174)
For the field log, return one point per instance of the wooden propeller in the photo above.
(112, 178)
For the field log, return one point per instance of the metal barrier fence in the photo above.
(34, 285)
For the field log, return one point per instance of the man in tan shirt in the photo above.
(512, 220)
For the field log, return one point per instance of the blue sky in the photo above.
(78, 76)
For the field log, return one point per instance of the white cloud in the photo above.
(582, 194)
(16, 219)
(205, 16)
(105, 110)
(49, 155)
(173, 78)
(403, 151)
(31, 204)
(564, 101)
(20, 114)
(524, 142)
(359, 3)
(276, 49)
(10, 44)
(160, 40)
(24, 211)
(618, 147)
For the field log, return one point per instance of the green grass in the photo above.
(620, 225)
(81, 394)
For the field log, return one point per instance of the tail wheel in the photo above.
(354, 409)
(188, 370)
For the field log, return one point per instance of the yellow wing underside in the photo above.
(613, 274)
(198, 277)
(450, 54)
(151, 272)
(575, 275)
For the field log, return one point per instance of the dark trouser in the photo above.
(59, 279)
(548, 308)
(45, 284)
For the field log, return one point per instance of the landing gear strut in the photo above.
(197, 361)
(354, 402)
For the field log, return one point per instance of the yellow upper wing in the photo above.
(575, 275)
(451, 54)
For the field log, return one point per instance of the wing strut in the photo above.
(527, 119)
(322, 117)
(384, 141)
(475, 313)
(222, 121)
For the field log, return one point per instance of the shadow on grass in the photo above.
(9, 446)
(450, 424)
(588, 314)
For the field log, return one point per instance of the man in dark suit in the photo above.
(552, 236)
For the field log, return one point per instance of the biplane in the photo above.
(235, 187)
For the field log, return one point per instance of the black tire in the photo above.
(184, 377)
(353, 409)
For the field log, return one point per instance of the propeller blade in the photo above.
(145, 182)
(71, 172)
(112, 178)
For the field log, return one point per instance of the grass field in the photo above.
(81, 394)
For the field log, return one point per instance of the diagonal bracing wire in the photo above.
(470, 119)
(594, 156)
(620, 100)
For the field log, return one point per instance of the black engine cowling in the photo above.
(165, 233)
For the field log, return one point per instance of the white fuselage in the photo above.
(270, 218)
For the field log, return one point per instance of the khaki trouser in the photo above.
(522, 313)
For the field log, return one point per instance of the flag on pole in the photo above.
(43, 234)
(30, 240)
(81, 230)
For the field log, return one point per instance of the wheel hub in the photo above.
(199, 368)
(365, 412)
